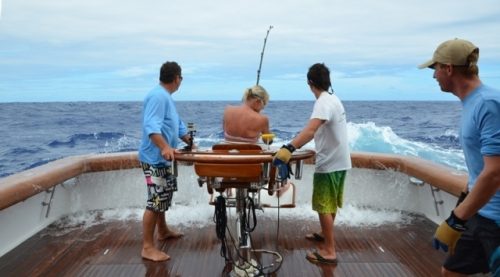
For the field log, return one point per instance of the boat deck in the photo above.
(113, 248)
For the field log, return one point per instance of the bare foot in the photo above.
(283, 189)
(169, 235)
(154, 254)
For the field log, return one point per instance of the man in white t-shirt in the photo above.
(328, 127)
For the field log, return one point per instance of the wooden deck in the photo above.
(113, 249)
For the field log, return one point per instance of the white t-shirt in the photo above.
(332, 145)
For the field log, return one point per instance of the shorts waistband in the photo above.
(157, 170)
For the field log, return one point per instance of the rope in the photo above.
(220, 219)
(251, 208)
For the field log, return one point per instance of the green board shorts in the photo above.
(328, 191)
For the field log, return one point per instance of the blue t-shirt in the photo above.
(480, 136)
(159, 117)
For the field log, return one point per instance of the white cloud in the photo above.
(135, 71)
(221, 40)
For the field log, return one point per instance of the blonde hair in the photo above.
(471, 69)
(256, 92)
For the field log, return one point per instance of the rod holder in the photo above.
(299, 166)
(49, 203)
(436, 202)
(174, 168)
(266, 171)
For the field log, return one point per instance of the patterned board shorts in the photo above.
(161, 185)
(328, 191)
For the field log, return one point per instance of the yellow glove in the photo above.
(281, 159)
(448, 233)
(283, 155)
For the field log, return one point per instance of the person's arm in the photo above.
(265, 130)
(307, 134)
(265, 125)
(167, 152)
(487, 184)
(285, 152)
(225, 117)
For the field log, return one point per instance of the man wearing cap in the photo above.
(472, 231)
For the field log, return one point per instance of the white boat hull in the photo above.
(122, 187)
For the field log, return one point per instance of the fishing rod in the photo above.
(262, 54)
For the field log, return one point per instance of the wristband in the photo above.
(290, 147)
(456, 223)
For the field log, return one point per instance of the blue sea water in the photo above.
(37, 133)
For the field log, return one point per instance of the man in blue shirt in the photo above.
(472, 232)
(162, 128)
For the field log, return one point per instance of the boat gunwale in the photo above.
(21, 186)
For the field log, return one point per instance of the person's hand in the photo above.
(448, 233)
(282, 156)
(281, 160)
(168, 153)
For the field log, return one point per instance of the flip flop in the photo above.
(315, 237)
(318, 259)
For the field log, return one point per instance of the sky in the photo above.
(110, 50)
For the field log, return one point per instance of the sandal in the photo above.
(315, 237)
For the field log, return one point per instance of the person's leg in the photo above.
(327, 197)
(328, 189)
(281, 191)
(164, 232)
(149, 250)
(328, 249)
(166, 196)
(154, 210)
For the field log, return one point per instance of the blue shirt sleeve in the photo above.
(153, 115)
(182, 129)
(489, 124)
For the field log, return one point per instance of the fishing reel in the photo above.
(191, 131)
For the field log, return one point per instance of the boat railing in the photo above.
(21, 186)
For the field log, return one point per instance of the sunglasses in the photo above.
(261, 99)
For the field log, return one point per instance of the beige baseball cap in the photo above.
(454, 52)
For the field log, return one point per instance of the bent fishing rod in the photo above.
(262, 54)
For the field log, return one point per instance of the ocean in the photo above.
(37, 133)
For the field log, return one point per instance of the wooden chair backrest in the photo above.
(238, 146)
(233, 175)
(229, 170)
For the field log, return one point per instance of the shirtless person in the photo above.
(245, 123)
